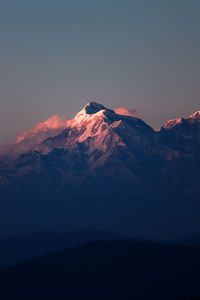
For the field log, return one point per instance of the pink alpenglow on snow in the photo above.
(194, 118)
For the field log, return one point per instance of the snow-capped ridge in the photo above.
(172, 123)
(98, 127)
(91, 108)
(193, 118)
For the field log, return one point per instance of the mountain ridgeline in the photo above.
(110, 270)
(107, 171)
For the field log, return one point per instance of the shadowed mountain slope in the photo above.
(109, 172)
(107, 270)
(14, 249)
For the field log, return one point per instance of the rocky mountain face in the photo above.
(100, 144)
(96, 143)
(182, 137)
(183, 134)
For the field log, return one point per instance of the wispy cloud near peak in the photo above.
(42, 129)
(127, 112)
(28, 139)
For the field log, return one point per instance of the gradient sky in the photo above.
(57, 55)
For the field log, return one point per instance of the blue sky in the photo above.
(55, 56)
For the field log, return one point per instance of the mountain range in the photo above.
(105, 164)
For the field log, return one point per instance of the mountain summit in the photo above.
(92, 108)
(106, 168)
(100, 142)
(98, 131)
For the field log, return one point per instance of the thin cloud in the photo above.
(127, 112)
(30, 138)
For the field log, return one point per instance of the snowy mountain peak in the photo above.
(194, 118)
(171, 123)
(93, 107)
(89, 112)
(98, 128)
